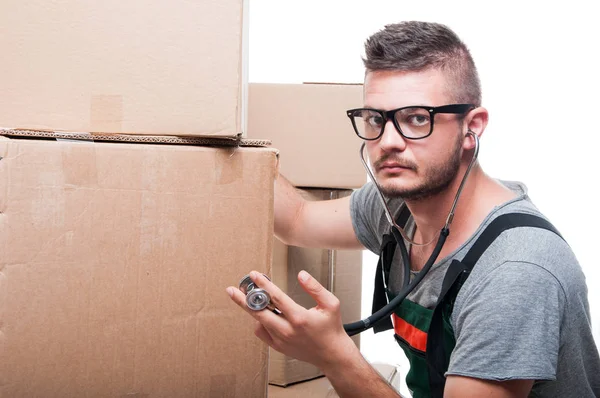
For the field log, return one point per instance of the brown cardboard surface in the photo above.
(321, 387)
(340, 271)
(307, 123)
(136, 67)
(114, 260)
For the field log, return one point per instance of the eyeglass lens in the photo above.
(414, 122)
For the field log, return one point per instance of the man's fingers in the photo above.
(239, 298)
(322, 296)
(263, 334)
(263, 316)
(279, 299)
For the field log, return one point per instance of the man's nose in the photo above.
(391, 137)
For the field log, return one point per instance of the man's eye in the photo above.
(418, 120)
(374, 121)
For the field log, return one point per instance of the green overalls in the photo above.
(426, 335)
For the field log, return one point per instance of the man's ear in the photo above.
(475, 122)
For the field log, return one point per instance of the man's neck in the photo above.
(478, 197)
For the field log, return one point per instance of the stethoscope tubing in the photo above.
(407, 285)
(367, 323)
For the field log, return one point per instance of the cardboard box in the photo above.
(136, 66)
(340, 271)
(114, 263)
(321, 387)
(309, 126)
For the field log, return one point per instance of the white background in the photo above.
(538, 63)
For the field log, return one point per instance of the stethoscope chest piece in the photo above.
(256, 298)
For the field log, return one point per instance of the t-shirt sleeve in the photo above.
(365, 210)
(509, 325)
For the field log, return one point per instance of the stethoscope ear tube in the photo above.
(367, 323)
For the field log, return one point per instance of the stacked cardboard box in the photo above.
(114, 256)
(114, 262)
(136, 66)
(307, 123)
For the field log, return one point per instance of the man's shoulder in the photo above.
(534, 232)
(368, 215)
(520, 265)
(530, 253)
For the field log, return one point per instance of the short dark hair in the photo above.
(415, 46)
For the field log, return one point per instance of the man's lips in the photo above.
(393, 166)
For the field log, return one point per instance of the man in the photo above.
(518, 324)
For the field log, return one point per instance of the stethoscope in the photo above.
(258, 299)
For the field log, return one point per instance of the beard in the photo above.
(437, 178)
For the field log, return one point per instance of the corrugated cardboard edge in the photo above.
(143, 139)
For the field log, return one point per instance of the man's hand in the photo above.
(315, 335)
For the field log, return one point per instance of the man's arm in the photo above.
(357, 379)
(304, 223)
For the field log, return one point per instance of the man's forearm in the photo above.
(355, 378)
(288, 205)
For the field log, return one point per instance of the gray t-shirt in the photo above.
(522, 313)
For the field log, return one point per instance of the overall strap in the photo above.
(499, 225)
(382, 272)
(438, 359)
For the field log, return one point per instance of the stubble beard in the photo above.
(437, 179)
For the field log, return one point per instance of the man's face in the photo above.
(413, 169)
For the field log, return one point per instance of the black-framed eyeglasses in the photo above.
(412, 122)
